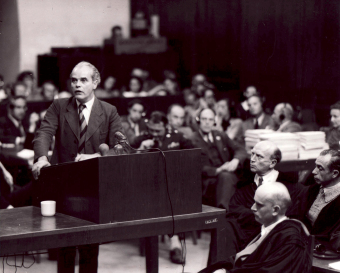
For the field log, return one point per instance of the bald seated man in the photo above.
(176, 115)
(282, 117)
(241, 224)
(281, 244)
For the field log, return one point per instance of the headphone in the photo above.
(198, 117)
(286, 111)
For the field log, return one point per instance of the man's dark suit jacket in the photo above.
(227, 149)
(129, 131)
(284, 249)
(9, 132)
(327, 222)
(248, 124)
(62, 121)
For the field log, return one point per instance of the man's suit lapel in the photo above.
(96, 118)
(220, 146)
(72, 117)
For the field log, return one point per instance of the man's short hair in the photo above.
(158, 117)
(336, 105)
(14, 98)
(257, 95)
(135, 101)
(25, 74)
(95, 73)
(334, 163)
(174, 105)
(277, 155)
(14, 87)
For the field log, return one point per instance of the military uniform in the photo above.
(172, 140)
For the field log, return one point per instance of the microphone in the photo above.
(103, 149)
(122, 145)
(120, 137)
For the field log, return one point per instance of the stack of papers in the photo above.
(311, 144)
(253, 136)
(288, 143)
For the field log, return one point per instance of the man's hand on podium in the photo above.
(81, 157)
(41, 163)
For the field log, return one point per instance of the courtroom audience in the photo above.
(333, 134)
(169, 86)
(176, 115)
(242, 109)
(283, 119)
(258, 118)
(281, 246)
(241, 225)
(221, 158)
(227, 122)
(109, 88)
(27, 77)
(134, 123)
(135, 88)
(197, 84)
(161, 136)
(13, 129)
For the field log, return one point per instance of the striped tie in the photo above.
(83, 128)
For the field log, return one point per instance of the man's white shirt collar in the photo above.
(87, 110)
(268, 178)
(266, 230)
(259, 119)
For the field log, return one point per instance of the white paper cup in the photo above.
(48, 208)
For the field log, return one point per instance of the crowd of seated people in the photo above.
(213, 122)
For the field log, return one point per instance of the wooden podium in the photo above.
(125, 187)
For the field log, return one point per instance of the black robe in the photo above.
(285, 249)
(240, 223)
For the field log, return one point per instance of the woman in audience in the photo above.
(169, 86)
(226, 121)
(135, 87)
(109, 88)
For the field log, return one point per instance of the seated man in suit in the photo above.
(318, 205)
(13, 129)
(134, 123)
(241, 224)
(282, 117)
(175, 117)
(161, 136)
(280, 246)
(259, 119)
(221, 156)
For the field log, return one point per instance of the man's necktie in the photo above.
(322, 193)
(83, 128)
(260, 181)
(256, 125)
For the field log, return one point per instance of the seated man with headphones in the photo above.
(282, 117)
(221, 158)
(134, 124)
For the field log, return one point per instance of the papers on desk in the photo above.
(311, 144)
(26, 154)
(253, 136)
(335, 265)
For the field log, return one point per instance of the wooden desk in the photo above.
(321, 266)
(24, 229)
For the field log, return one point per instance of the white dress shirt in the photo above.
(87, 109)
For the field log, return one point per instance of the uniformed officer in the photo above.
(161, 136)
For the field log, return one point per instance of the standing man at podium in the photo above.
(79, 124)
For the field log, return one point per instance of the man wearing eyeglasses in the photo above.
(12, 126)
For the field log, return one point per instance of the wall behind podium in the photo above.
(67, 23)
